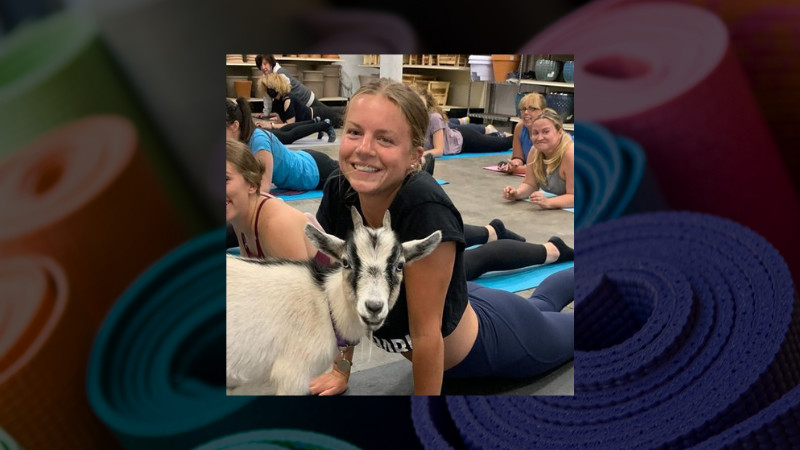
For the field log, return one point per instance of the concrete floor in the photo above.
(477, 193)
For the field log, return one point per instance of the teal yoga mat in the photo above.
(551, 195)
(521, 279)
(277, 439)
(289, 195)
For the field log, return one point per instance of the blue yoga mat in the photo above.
(521, 279)
(687, 330)
(476, 155)
(551, 195)
(611, 177)
(317, 193)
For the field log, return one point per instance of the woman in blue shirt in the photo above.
(288, 169)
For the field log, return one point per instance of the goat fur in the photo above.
(279, 330)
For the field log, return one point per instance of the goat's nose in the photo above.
(374, 307)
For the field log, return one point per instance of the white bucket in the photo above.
(481, 67)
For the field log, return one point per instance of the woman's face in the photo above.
(376, 152)
(237, 193)
(544, 135)
(528, 113)
(265, 67)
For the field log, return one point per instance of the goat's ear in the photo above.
(420, 248)
(387, 220)
(326, 243)
(358, 222)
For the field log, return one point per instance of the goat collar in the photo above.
(340, 341)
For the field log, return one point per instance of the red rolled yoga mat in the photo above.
(44, 346)
(85, 195)
(665, 75)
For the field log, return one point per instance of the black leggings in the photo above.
(325, 164)
(475, 142)
(503, 254)
(298, 130)
(332, 113)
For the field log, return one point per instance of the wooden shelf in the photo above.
(418, 66)
(251, 99)
(253, 64)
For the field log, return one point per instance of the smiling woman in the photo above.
(443, 324)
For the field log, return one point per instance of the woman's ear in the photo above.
(252, 189)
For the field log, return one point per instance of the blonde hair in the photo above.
(239, 155)
(535, 99)
(541, 165)
(275, 81)
(406, 99)
(430, 100)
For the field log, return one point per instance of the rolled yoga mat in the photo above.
(56, 70)
(612, 177)
(665, 76)
(44, 345)
(85, 195)
(686, 324)
(276, 440)
(156, 370)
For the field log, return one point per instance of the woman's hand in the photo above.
(509, 167)
(329, 383)
(509, 193)
(539, 198)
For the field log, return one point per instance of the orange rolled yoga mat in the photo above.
(666, 76)
(85, 195)
(44, 347)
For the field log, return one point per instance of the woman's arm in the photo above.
(567, 171)
(525, 189)
(266, 180)
(438, 143)
(426, 283)
(516, 164)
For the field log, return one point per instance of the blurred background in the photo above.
(111, 154)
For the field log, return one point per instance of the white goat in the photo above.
(281, 314)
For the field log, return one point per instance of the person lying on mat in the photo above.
(267, 64)
(443, 324)
(552, 167)
(463, 122)
(530, 106)
(290, 111)
(301, 170)
(262, 224)
(441, 139)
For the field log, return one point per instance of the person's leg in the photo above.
(327, 112)
(475, 235)
(292, 132)
(478, 128)
(325, 164)
(505, 254)
(515, 339)
(555, 291)
(475, 142)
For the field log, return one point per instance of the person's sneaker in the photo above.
(331, 134)
(321, 133)
(430, 162)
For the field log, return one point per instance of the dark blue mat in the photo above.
(687, 331)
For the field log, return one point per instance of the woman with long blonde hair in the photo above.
(551, 167)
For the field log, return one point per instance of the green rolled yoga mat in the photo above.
(277, 439)
(56, 70)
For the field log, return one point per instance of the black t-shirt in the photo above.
(299, 111)
(420, 208)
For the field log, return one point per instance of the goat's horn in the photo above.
(358, 222)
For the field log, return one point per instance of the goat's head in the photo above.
(372, 264)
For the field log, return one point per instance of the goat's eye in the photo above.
(399, 266)
(345, 263)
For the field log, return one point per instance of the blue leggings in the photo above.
(520, 337)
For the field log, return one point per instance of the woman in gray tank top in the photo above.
(551, 167)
